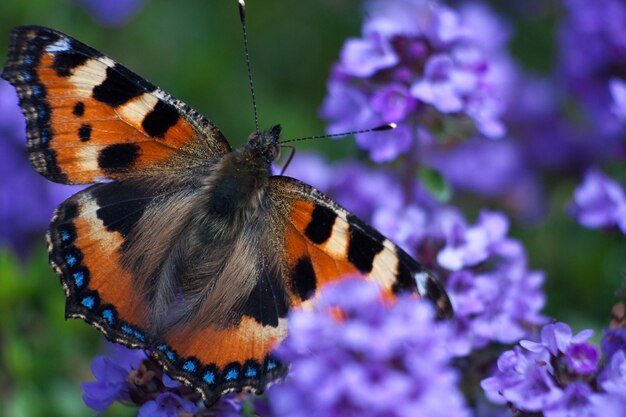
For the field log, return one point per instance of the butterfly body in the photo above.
(182, 245)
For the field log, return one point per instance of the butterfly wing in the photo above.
(89, 239)
(324, 242)
(86, 242)
(89, 117)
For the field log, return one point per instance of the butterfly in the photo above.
(183, 246)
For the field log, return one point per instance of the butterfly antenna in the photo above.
(380, 128)
(242, 16)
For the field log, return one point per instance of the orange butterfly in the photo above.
(183, 246)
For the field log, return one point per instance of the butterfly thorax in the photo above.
(235, 189)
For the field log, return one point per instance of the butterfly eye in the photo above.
(254, 137)
(272, 152)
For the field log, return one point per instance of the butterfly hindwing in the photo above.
(324, 242)
(86, 237)
(89, 239)
(89, 117)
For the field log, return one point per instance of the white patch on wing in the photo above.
(90, 75)
(385, 266)
(61, 45)
(86, 157)
(337, 243)
(422, 279)
(135, 110)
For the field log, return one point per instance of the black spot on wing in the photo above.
(365, 244)
(119, 156)
(303, 281)
(320, 227)
(121, 205)
(116, 89)
(405, 275)
(160, 119)
(79, 109)
(84, 132)
(267, 302)
(66, 61)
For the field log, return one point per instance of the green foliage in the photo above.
(435, 183)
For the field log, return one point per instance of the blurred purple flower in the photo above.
(592, 40)
(613, 378)
(618, 93)
(613, 340)
(352, 354)
(599, 202)
(468, 246)
(576, 401)
(111, 372)
(418, 64)
(112, 12)
(167, 405)
(480, 165)
(27, 200)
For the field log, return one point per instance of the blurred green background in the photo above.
(193, 49)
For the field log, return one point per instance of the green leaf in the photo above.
(435, 183)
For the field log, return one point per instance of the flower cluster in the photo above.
(416, 61)
(561, 375)
(354, 354)
(495, 295)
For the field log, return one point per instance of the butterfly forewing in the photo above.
(90, 118)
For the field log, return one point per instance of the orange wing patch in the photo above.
(314, 259)
(217, 361)
(89, 117)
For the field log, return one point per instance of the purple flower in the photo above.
(353, 354)
(418, 64)
(582, 358)
(167, 405)
(524, 379)
(480, 165)
(364, 57)
(468, 246)
(618, 93)
(559, 376)
(112, 12)
(613, 378)
(599, 202)
(576, 401)
(111, 372)
(613, 340)
(27, 200)
(593, 49)
(405, 226)
(557, 338)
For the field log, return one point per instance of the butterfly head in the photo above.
(265, 144)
